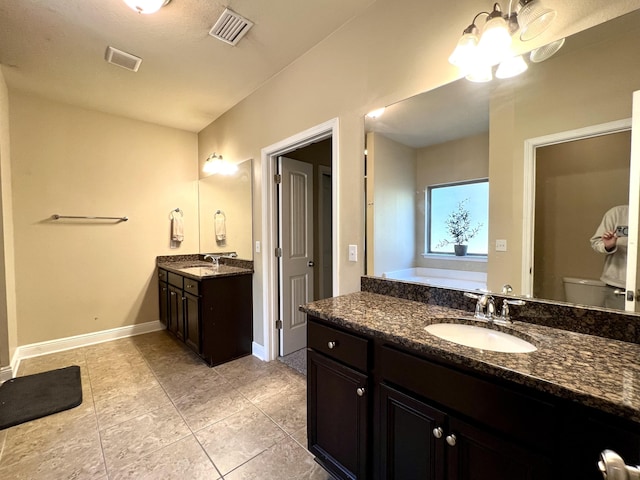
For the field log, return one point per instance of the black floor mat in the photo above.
(34, 396)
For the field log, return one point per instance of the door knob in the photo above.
(310, 263)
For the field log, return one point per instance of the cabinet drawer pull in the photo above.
(451, 440)
(360, 391)
(331, 345)
(437, 432)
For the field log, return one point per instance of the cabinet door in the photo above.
(337, 410)
(163, 303)
(192, 322)
(411, 437)
(474, 454)
(176, 313)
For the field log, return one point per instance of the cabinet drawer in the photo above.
(191, 286)
(342, 346)
(175, 279)
(508, 411)
(162, 275)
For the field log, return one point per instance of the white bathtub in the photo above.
(439, 277)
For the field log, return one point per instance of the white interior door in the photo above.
(296, 262)
(633, 272)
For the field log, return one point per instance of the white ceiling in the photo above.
(55, 49)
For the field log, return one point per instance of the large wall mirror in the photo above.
(554, 144)
(225, 211)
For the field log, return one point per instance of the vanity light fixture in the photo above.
(477, 51)
(146, 6)
(216, 164)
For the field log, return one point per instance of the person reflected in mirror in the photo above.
(611, 239)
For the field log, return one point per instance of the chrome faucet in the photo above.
(215, 259)
(504, 313)
(485, 306)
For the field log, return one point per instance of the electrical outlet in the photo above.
(353, 253)
(501, 245)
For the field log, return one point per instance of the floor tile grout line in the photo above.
(95, 413)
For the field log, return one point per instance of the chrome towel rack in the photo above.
(55, 216)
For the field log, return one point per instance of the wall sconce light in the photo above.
(146, 6)
(377, 113)
(478, 50)
(216, 164)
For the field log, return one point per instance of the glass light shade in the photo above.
(544, 52)
(146, 6)
(495, 41)
(534, 19)
(511, 67)
(465, 52)
(480, 74)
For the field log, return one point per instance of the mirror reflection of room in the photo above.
(581, 87)
(576, 183)
(225, 209)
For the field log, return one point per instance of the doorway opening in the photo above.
(299, 233)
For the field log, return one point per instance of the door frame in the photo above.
(328, 129)
(322, 171)
(529, 193)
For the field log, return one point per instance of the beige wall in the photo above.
(393, 203)
(8, 319)
(576, 182)
(76, 277)
(562, 96)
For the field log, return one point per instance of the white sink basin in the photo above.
(480, 337)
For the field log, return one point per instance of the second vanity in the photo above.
(207, 307)
(388, 400)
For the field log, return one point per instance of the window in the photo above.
(443, 200)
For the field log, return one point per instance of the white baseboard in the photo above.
(257, 350)
(60, 344)
(5, 374)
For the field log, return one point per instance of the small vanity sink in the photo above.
(200, 271)
(480, 337)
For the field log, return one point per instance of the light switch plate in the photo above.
(257, 246)
(501, 245)
(353, 253)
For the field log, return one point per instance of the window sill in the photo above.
(454, 258)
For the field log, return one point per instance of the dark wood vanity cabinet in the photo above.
(213, 317)
(426, 419)
(338, 401)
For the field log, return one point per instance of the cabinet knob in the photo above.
(360, 391)
(331, 345)
(451, 440)
(437, 432)
(173, 294)
(190, 285)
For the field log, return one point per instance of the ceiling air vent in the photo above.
(230, 27)
(122, 59)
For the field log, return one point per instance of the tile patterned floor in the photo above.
(152, 410)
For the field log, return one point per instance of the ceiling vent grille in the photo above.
(230, 27)
(122, 59)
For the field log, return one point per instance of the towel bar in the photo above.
(58, 217)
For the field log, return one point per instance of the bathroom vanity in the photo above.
(208, 308)
(386, 399)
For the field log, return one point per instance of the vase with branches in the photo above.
(458, 224)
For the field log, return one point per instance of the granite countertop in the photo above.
(594, 371)
(200, 270)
